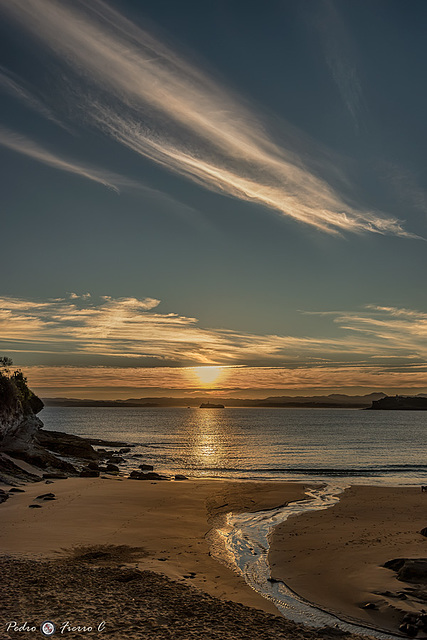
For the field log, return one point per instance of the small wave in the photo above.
(322, 471)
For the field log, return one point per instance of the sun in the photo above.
(208, 375)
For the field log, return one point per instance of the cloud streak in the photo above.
(134, 332)
(151, 100)
(27, 147)
(336, 42)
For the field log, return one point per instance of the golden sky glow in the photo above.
(78, 342)
(209, 376)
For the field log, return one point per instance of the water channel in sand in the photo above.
(242, 543)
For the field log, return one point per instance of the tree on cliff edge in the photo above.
(14, 389)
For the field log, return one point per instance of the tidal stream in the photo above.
(242, 542)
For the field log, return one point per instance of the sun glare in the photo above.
(208, 375)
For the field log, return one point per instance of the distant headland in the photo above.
(400, 403)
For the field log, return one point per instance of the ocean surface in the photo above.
(366, 447)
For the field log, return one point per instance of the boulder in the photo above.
(89, 473)
(146, 467)
(112, 467)
(409, 629)
(138, 475)
(179, 476)
(54, 476)
(409, 569)
(115, 460)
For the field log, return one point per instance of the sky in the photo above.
(222, 198)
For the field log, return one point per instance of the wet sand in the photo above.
(333, 558)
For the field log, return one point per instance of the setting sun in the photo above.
(208, 375)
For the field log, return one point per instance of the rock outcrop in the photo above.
(19, 431)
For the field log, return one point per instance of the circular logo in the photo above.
(47, 628)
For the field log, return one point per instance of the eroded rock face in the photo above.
(19, 430)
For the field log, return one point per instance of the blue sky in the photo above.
(233, 185)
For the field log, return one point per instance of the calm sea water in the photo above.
(366, 446)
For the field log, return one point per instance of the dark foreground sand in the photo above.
(134, 604)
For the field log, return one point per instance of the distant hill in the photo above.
(400, 403)
(332, 401)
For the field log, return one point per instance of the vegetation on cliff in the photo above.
(14, 392)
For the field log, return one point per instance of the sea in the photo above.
(364, 447)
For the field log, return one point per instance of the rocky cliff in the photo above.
(19, 429)
(23, 439)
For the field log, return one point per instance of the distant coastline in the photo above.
(333, 401)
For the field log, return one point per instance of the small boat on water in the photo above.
(208, 405)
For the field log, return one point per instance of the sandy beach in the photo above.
(97, 528)
(334, 558)
(169, 520)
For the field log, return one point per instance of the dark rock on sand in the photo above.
(45, 495)
(146, 467)
(369, 605)
(3, 496)
(34, 506)
(138, 475)
(179, 476)
(16, 490)
(112, 467)
(54, 476)
(89, 473)
(409, 569)
(410, 629)
(125, 450)
(424, 532)
(115, 460)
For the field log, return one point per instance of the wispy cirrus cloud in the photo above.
(148, 98)
(27, 147)
(336, 43)
(13, 85)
